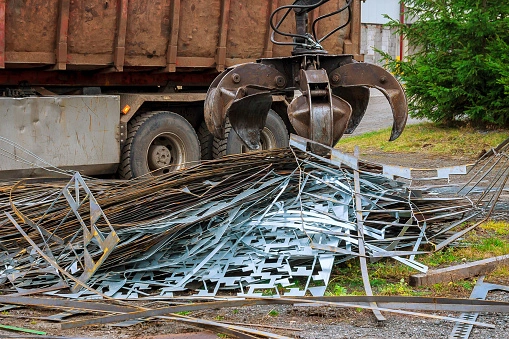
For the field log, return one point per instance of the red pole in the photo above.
(402, 21)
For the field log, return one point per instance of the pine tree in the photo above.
(461, 68)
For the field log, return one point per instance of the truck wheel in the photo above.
(273, 135)
(206, 141)
(158, 143)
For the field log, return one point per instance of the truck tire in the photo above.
(273, 135)
(158, 143)
(206, 141)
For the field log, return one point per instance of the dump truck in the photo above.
(127, 87)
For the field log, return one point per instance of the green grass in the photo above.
(399, 288)
(389, 277)
(335, 289)
(273, 313)
(185, 313)
(427, 138)
(497, 227)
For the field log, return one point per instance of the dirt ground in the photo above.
(295, 322)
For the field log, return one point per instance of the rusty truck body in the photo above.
(107, 86)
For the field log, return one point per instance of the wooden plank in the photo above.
(2, 33)
(267, 52)
(223, 34)
(171, 54)
(62, 33)
(119, 56)
(458, 272)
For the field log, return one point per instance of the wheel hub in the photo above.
(159, 156)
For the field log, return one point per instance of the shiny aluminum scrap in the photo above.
(251, 223)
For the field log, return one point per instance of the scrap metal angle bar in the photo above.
(348, 301)
(64, 303)
(379, 309)
(106, 244)
(52, 262)
(361, 248)
(236, 330)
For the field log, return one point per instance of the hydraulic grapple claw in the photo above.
(244, 95)
(369, 75)
(317, 114)
(334, 89)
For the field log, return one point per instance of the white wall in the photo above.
(373, 10)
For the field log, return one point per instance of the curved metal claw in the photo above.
(248, 116)
(358, 98)
(369, 75)
(242, 91)
(318, 114)
(214, 110)
(300, 115)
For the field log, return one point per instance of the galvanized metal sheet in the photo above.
(66, 131)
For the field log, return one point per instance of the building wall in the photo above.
(374, 35)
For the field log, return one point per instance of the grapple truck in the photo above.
(150, 86)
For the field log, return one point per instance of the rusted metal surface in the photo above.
(119, 57)
(62, 35)
(369, 75)
(43, 78)
(2, 33)
(240, 85)
(196, 335)
(128, 35)
(171, 53)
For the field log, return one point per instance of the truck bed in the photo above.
(97, 39)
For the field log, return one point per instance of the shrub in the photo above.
(460, 70)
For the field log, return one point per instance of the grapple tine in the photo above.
(369, 75)
(239, 86)
(248, 116)
(214, 109)
(358, 98)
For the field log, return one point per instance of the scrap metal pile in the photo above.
(272, 222)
